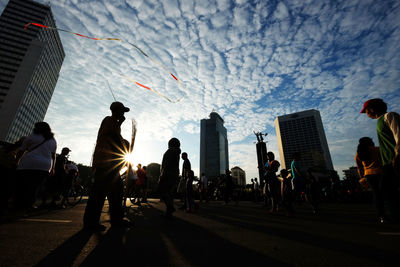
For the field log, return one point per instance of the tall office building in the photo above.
(30, 62)
(213, 146)
(303, 132)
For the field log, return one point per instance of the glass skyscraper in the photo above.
(214, 159)
(30, 62)
(304, 133)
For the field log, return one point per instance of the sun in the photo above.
(128, 158)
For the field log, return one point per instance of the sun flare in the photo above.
(129, 158)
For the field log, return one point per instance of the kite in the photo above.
(120, 40)
(148, 88)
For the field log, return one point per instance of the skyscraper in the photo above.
(303, 132)
(214, 159)
(30, 62)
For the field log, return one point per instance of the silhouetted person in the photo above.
(55, 184)
(145, 184)
(106, 166)
(228, 186)
(140, 183)
(312, 191)
(369, 166)
(274, 184)
(256, 190)
(203, 188)
(8, 165)
(72, 174)
(299, 181)
(36, 164)
(189, 191)
(253, 194)
(266, 194)
(287, 192)
(186, 168)
(169, 175)
(388, 131)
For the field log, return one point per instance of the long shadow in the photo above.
(329, 215)
(353, 249)
(157, 241)
(66, 253)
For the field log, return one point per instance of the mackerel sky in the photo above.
(250, 61)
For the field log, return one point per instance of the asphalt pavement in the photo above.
(342, 234)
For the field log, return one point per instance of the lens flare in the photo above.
(128, 158)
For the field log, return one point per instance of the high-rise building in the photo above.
(304, 133)
(30, 62)
(214, 159)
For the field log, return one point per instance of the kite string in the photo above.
(109, 87)
(117, 39)
(109, 39)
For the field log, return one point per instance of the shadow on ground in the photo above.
(67, 252)
(157, 241)
(243, 218)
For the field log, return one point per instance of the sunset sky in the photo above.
(250, 61)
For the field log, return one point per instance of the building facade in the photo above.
(214, 159)
(303, 132)
(30, 62)
(239, 176)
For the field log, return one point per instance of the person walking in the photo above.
(203, 188)
(272, 181)
(169, 175)
(299, 181)
(189, 192)
(287, 192)
(182, 186)
(256, 190)
(388, 131)
(145, 185)
(228, 192)
(369, 166)
(106, 166)
(38, 156)
(72, 173)
(140, 183)
(55, 185)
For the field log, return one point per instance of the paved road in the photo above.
(244, 235)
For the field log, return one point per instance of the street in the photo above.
(245, 235)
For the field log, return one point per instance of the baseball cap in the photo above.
(66, 148)
(370, 102)
(118, 106)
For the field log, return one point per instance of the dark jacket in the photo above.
(169, 168)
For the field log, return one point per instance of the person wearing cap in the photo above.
(106, 165)
(388, 131)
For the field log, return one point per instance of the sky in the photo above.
(250, 61)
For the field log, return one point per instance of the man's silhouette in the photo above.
(106, 166)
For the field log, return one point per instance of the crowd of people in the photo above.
(33, 170)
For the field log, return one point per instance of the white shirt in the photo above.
(393, 120)
(39, 158)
